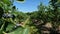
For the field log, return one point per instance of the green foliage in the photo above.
(47, 14)
(6, 2)
(27, 23)
(20, 31)
(7, 24)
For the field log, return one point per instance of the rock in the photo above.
(48, 25)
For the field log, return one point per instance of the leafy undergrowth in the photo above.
(21, 30)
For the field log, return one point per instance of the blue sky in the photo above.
(29, 5)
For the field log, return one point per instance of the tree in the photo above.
(56, 11)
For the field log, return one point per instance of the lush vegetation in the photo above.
(14, 22)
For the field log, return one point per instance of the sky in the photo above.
(29, 5)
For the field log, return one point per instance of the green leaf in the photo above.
(25, 31)
(7, 2)
(9, 27)
(20, 31)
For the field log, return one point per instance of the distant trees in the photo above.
(49, 13)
